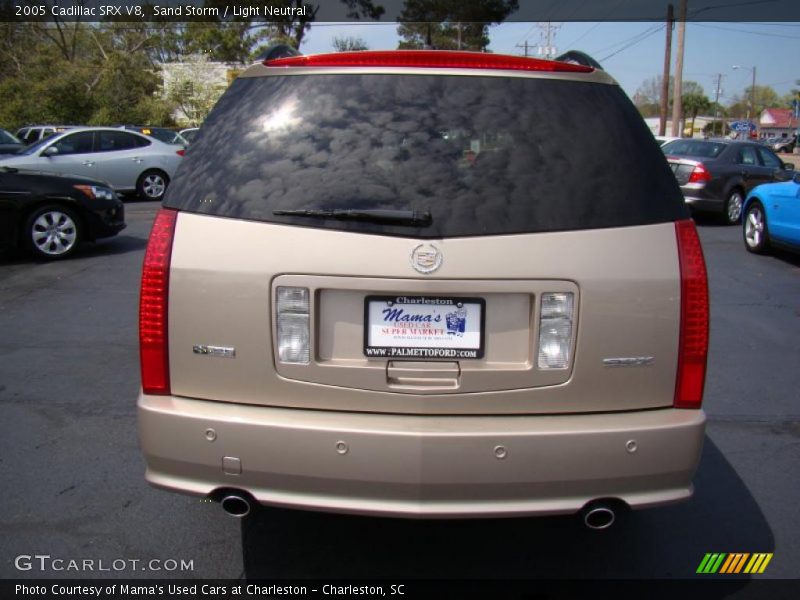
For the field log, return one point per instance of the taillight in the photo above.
(443, 59)
(181, 152)
(693, 345)
(700, 174)
(153, 302)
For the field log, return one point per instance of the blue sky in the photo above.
(633, 52)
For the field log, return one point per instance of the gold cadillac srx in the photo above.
(380, 284)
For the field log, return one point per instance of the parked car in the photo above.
(786, 144)
(127, 160)
(772, 217)
(162, 134)
(663, 139)
(9, 143)
(32, 134)
(50, 215)
(392, 292)
(189, 134)
(716, 175)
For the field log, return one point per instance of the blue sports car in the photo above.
(772, 217)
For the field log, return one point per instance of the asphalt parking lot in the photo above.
(73, 475)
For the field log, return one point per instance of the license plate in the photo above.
(423, 327)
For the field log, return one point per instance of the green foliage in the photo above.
(694, 103)
(451, 24)
(78, 74)
(765, 97)
(648, 110)
(349, 44)
(243, 39)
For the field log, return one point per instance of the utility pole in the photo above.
(547, 36)
(717, 92)
(662, 112)
(525, 45)
(752, 105)
(677, 104)
(753, 96)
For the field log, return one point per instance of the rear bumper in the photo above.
(420, 466)
(698, 197)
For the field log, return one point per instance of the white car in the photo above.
(128, 161)
(34, 133)
(189, 134)
(665, 139)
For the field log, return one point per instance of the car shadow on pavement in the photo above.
(791, 258)
(712, 220)
(121, 244)
(666, 542)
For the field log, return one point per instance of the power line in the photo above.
(583, 35)
(625, 41)
(640, 38)
(764, 33)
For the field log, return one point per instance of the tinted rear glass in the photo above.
(484, 155)
(7, 138)
(693, 148)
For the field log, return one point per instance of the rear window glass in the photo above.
(483, 155)
(7, 138)
(693, 148)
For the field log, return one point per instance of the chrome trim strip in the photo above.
(218, 351)
(597, 76)
(633, 361)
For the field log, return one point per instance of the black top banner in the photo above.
(394, 10)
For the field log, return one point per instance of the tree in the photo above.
(77, 73)
(230, 39)
(694, 104)
(349, 44)
(648, 95)
(451, 24)
(689, 88)
(194, 88)
(649, 92)
(765, 97)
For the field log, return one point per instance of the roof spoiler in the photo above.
(277, 51)
(576, 57)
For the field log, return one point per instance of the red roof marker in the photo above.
(435, 59)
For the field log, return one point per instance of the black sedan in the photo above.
(716, 175)
(9, 144)
(49, 215)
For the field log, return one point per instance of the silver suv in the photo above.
(380, 284)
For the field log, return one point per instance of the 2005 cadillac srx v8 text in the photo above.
(379, 284)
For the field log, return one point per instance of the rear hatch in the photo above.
(422, 242)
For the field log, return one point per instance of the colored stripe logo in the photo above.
(734, 563)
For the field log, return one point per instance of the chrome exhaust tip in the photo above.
(236, 506)
(599, 517)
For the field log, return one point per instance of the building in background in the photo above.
(777, 122)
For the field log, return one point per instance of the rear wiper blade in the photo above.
(393, 217)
